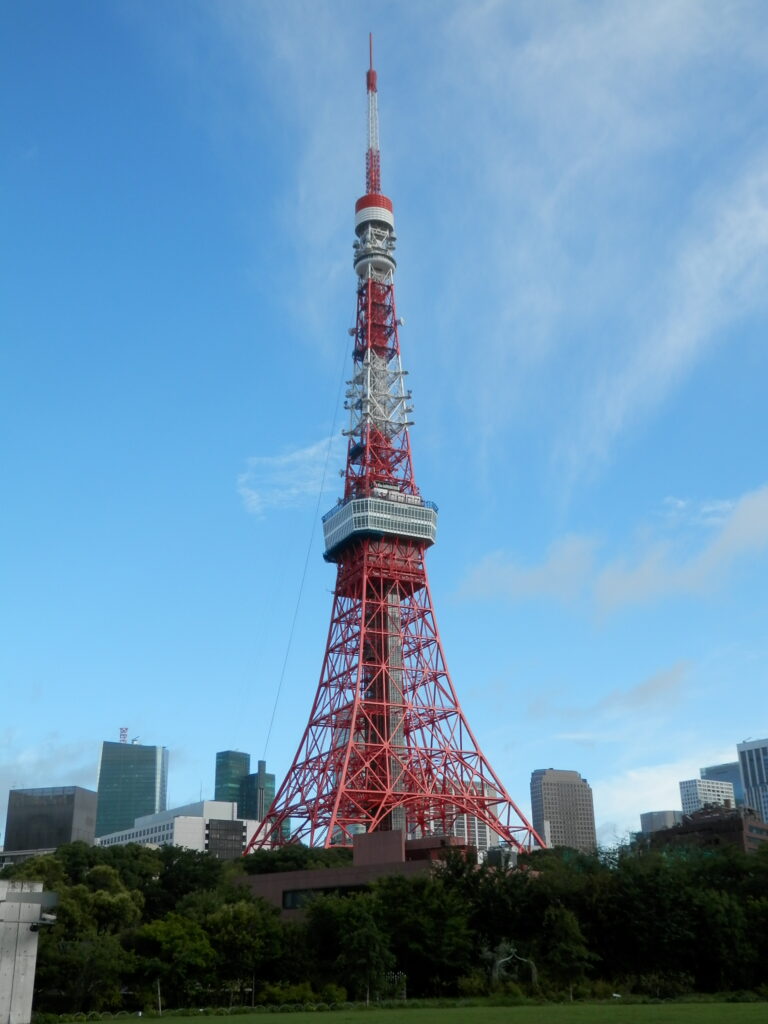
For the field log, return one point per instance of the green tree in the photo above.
(562, 951)
(181, 872)
(427, 926)
(246, 937)
(349, 946)
(174, 952)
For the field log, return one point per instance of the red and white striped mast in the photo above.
(387, 745)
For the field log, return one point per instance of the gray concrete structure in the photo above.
(652, 821)
(23, 909)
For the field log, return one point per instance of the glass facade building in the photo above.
(729, 772)
(257, 791)
(753, 759)
(232, 766)
(42, 819)
(133, 781)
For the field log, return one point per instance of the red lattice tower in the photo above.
(387, 745)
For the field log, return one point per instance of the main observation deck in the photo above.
(385, 513)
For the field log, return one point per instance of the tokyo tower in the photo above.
(387, 745)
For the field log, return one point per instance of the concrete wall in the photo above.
(20, 907)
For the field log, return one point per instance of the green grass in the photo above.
(577, 1013)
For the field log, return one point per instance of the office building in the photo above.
(475, 833)
(562, 809)
(42, 819)
(232, 766)
(652, 821)
(133, 781)
(753, 759)
(209, 826)
(698, 793)
(729, 772)
(257, 791)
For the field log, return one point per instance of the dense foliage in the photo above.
(136, 925)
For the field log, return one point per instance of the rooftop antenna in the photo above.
(372, 156)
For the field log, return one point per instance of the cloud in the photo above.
(660, 689)
(657, 573)
(685, 512)
(720, 275)
(660, 570)
(583, 129)
(562, 575)
(658, 692)
(288, 480)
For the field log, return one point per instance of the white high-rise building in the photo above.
(475, 833)
(697, 793)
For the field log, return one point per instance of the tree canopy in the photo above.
(134, 925)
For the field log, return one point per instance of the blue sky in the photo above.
(581, 198)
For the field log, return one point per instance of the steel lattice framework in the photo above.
(387, 745)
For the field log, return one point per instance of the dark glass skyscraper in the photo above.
(257, 792)
(730, 772)
(232, 766)
(133, 781)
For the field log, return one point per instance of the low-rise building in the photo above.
(210, 826)
(715, 826)
(374, 855)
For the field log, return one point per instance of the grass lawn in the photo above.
(578, 1013)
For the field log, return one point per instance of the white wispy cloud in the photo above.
(657, 572)
(596, 282)
(602, 280)
(660, 569)
(562, 575)
(658, 692)
(684, 512)
(719, 276)
(291, 479)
